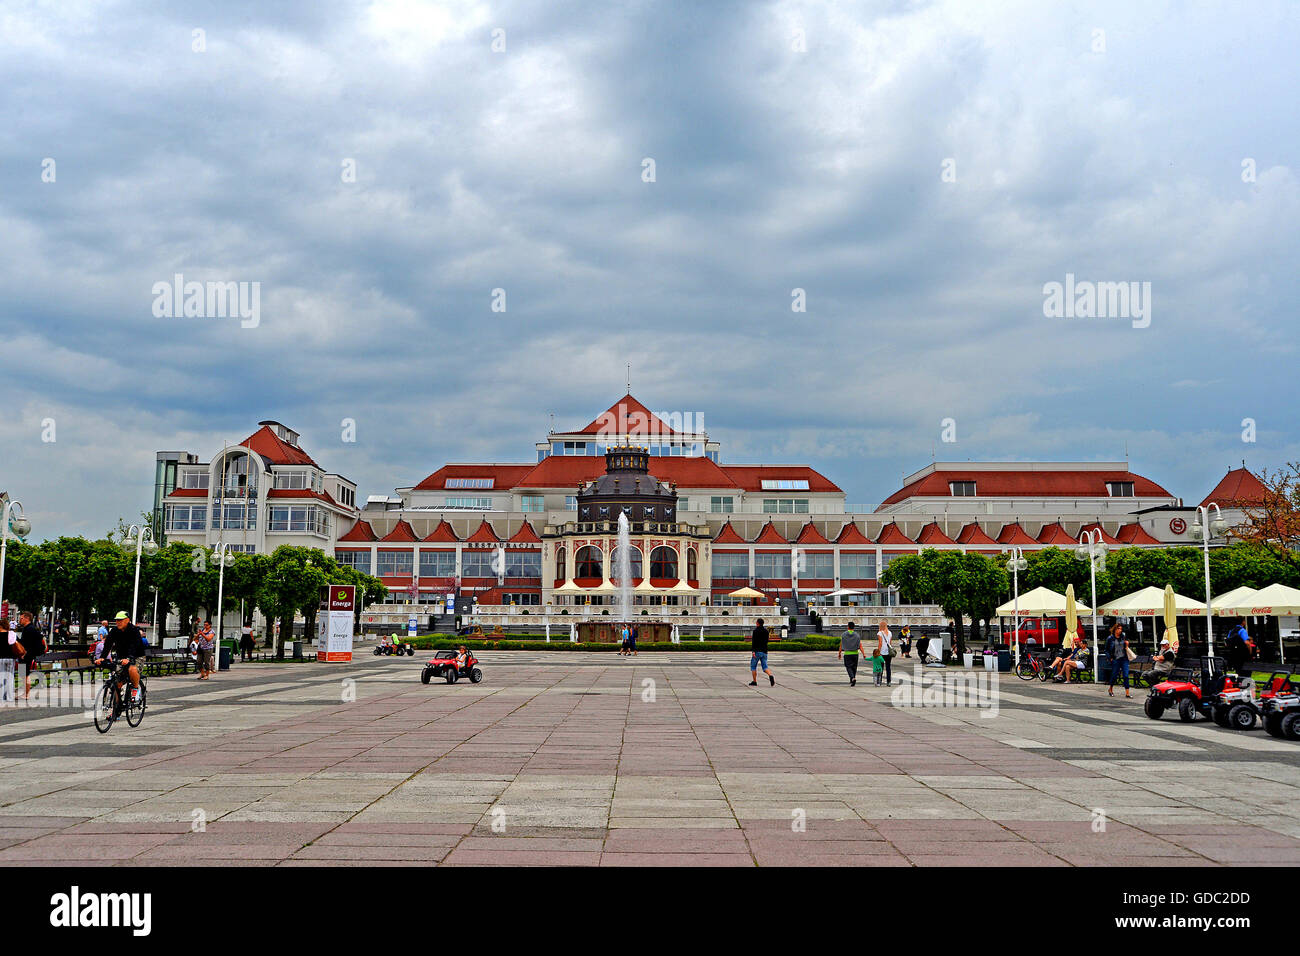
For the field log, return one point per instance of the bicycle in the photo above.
(1033, 667)
(112, 703)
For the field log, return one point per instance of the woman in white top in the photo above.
(884, 643)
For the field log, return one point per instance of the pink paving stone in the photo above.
(470, 857)
(319, 851)
(676, 859)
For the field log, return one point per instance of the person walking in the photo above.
(631, 644)
(905, 640)
(758, 655)
(877, 664)
(32, 642)
(885, 645)
(246, 643)
(1117, 652)
(850, 650)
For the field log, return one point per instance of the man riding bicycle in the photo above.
(127, 642)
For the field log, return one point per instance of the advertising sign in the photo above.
(334, 624)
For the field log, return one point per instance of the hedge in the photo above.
(440, 642)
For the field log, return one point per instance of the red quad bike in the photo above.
(443, 664)
(1240, 703)
(1192, 691)
(1282, 715)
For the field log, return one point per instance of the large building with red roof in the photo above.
(516, 532)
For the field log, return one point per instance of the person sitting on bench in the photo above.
(1161, 666)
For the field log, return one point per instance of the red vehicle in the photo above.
(1282, 715)
(1241, 702)
(1039, 631)
(443, 664)
(1192, 691)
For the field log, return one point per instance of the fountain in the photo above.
(624, 569)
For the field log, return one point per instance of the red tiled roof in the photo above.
(503, 477)
(750, 477)
(850, 534)
(769, 535)
(301, 493)
(1237, 488)
(627, 416)
(1134, 534)
(444, 532)
(1027, 484)
(275, 450)
(1054, 534)
(568, 471)
(484, 532)
(188, 493)
(728, 535)
(809, 534)
(1014, 534)
(525, 535)
(1105, 535)
(893, 534)
(973, 534)
(933, 534)
(402, 531)
(361, 531)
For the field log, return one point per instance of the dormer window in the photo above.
(1120, 489)
(962, 489)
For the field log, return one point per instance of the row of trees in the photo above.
(95, 579)
(974, 585)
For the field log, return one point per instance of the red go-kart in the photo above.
(1192, 691)
(443, 664)
(1241, 703)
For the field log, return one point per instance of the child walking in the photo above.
(877, 665)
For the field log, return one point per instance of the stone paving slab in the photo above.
(557, 760)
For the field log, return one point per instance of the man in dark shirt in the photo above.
(127, 641)
(758, 655)
(33, 642)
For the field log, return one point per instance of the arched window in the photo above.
(588, 562)
(560, 563)
(634, 559)
(663, 562)
(692, 569)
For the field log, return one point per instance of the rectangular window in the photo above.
(194, 479)
(394, 563)
(858, 566)
(785, 506)
(477, 563)
(186, 518)
(478, 504)
(298, 518)
(522, 600)
(437, 564)
(470, 483)
(523, 564)
(1120, 489)
(532, 503)
(962, 489)
(357, 560)
(730, 565)
(570, 502)
(722, 504)
(231, 517)
(817, 565)
(772, 564)
(785, 484)
(295, 480)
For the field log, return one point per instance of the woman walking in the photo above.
(1117, 651)
(884, 645)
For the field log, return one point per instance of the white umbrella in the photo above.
(1150, 602)
(1278, 600)
(1225, 605)
(1041, 602)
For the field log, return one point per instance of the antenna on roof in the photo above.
(629, 378)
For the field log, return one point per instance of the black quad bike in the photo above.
(1191, 690)
(443, 664)
(388, 646)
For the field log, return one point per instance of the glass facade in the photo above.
(437, 564)
(394, 563)
(357, 560)
(857, 566)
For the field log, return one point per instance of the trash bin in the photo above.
(225, 655)
(968, 660)
(297, 650)
(1004, 661)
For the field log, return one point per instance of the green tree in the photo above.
(291, 583)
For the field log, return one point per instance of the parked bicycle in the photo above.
(1033, 667)
(115, 700)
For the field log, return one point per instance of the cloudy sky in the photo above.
(920, 170)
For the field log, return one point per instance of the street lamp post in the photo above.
(224, 559)
(1015, 564)
(142, 540)
(1092, 548)
(1206, 529)
(21, 527)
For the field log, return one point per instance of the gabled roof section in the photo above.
(1240, 487)
(627, 416)
(850, 534)
(525, 535)
(402, 531)
(1034, 480)
(444, 532)
(568, 471)
(361, 531)
(483, 532)
(728, 535)
(893, 534)
(933, 534)
(750, 477)
(809, 534)
(1134, 534)
(1014, 534)
(270, 446)
(973, 534)
(1054, 534)
(769, 535)
(1105, 535)
(504, 477)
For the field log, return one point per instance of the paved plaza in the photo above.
(590, 759)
